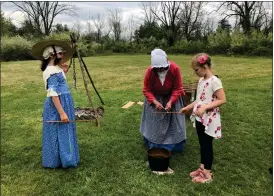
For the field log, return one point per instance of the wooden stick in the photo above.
(167, 113)
(87, 91)
(53, 121)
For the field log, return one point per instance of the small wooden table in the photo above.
(190, 93)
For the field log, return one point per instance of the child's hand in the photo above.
(184, 110)
(64, 117)
(201, 110)
(64, 67)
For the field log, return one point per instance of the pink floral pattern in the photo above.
(202, 97)
(211, 118)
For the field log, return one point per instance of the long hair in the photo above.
(57, 60)
(44, 64)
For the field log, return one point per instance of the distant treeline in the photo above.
(176, 27)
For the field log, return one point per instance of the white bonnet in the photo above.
(159, 58)
(49, 50)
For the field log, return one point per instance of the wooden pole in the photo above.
(167, 113)
(53, 121)
(87, 91)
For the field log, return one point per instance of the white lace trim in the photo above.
(51, 93)
(162, 76)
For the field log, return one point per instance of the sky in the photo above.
(84, 9)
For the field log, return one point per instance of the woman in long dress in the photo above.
(163, 92)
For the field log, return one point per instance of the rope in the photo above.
(74, 73)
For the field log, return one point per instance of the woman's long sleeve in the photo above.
(177, 86)
(147, 87)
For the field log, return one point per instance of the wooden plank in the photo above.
(128, 105)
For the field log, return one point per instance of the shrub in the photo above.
(16, 48)
(188, 47)
(65, 36)
(219, 42)
(255, 44)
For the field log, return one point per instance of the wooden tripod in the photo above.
(84, 71)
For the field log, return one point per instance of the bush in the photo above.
(65, 36)
(256, 44)
(261, 51)
(188, 47)
(83, 49)
(219, 42)
(16, 48)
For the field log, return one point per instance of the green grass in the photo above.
(113, 156)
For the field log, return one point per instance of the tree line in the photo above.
(178, 27)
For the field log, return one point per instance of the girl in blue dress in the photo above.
(59, 144)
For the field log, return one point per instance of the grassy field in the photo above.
(112, 156)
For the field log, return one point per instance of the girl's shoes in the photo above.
(195, 173)
(203, 177)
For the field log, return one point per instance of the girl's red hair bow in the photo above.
(202, 59)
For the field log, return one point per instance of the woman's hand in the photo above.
(201, 110)
(64, 117)
(158, 105)
(168, 106)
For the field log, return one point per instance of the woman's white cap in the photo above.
(159, 58)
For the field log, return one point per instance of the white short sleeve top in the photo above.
(211, 119)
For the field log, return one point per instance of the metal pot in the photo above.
(158, 159)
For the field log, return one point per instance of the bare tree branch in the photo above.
(250, 14)
(42, 14)
(115, 19)
(167, 15)
(190, 17)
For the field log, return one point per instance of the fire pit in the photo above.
(88, 113)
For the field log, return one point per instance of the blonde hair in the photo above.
(200, 60)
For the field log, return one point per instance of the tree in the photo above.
(207, 28)
(168, 17)
(190, 18)
(148, 30)
(131, 27)
(7, 27)
(147, 9)
(42, 13)
(59, 28)
(76, 28)
(27, 29)
(99, 23)
(249, 13)
(262, 20)
(268, 26)
(224, 24)
(115, 19)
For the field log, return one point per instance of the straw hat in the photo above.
(38, 49)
